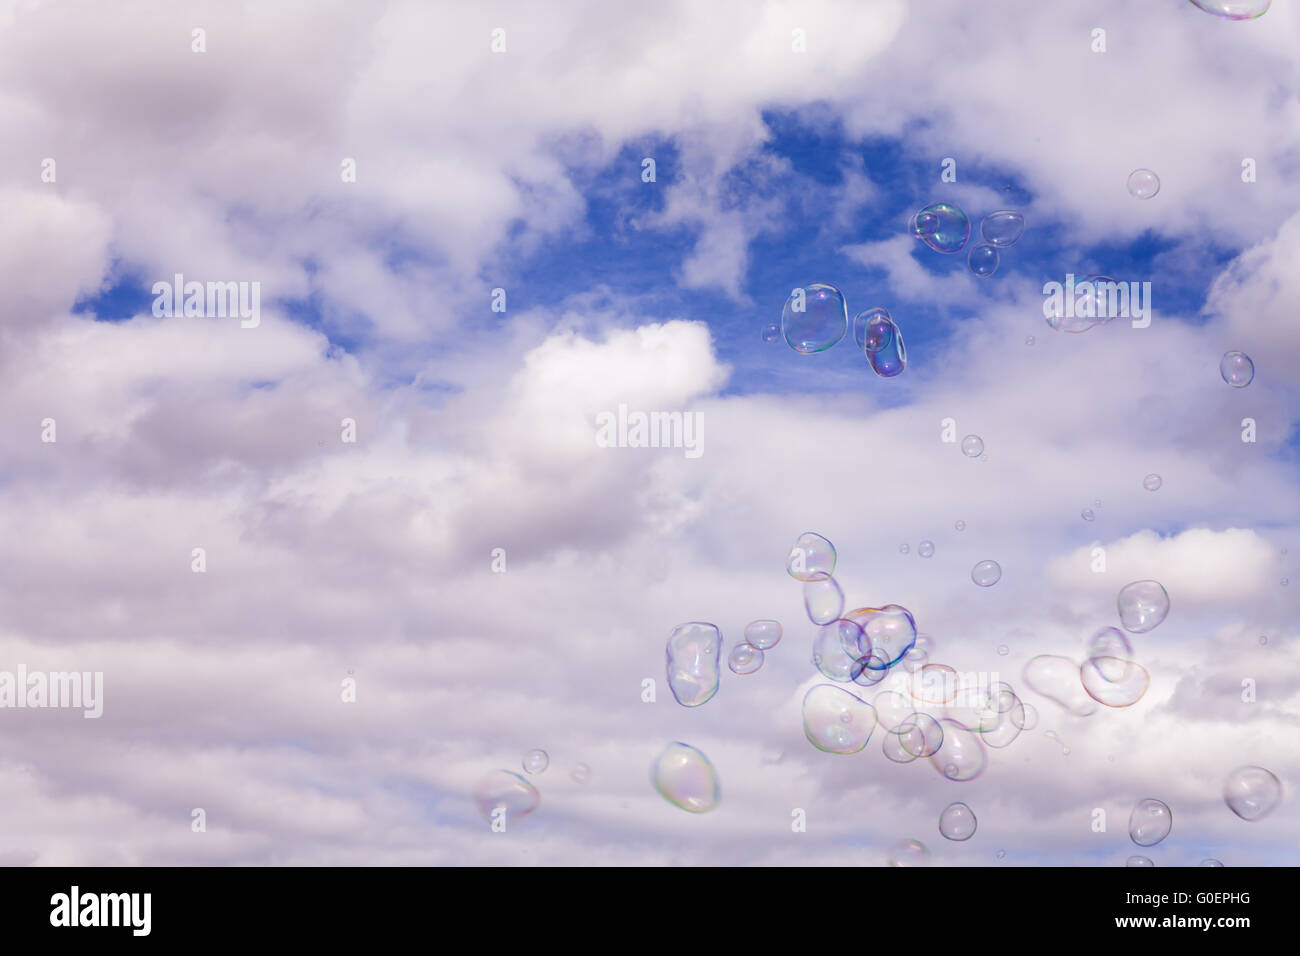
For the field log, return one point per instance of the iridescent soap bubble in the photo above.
(908, 853)
(957, 822)
(983, 260)
(1152, 482)
(921, 735)
(580, 773)
(1150, 822)
(1252, 792)
(891, 358)
(925, 549)
(1234, 9)
(1057, 679)
(892, 746)
(888, 633)
(1114, 682)
(1139, 861)
(914, 660)
(764, 635)
(814, 318)
(811, 559)
(1142, 606)
(835, 650)
(1210, 862)
(941, 226)
(1087, 514)
(1001, 725)
(1237, 369)
(836, 721)
(536, 761)
(1084, 302)
(745, 658)
(1143, 184)
(771, 332)
(823, 600)
(962, 756)
(972, 446)
(872, 329)
(503, 790)
(934, 684)
(870, 670)
(1002, 228)
(1108, 649)
(685, 778)
(694, 665)
(986, 573)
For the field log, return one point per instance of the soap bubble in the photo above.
(870, 670)
(1143, 184)
(694, 650)
(1142, 606)
(1210, 862)
(836, 721)
(960, 525)
(983, 260)
(925, 549)
(892, 708)
(873, 329)
(1085, 302)
(914, 660)
(771, 332)
(908, 853)
(1152, 482)
(811, 559)
(1150, 822)
(580, 773)
(962, 756)
(935, 684)
(1057, 679)
(1252, 792)
(972, 446)
(814, 318)
(888, 633)
(1003, 650)
(892, 746)
(921, 735)
(1002, 228)
(536, 761)
(1109, 643)
(1114, 682)
(941, 226)
(986, 573)
(1237, 369)
(1001, 853)
(1029, 340)
(1140, 861)
(957, 822)
(823, 600)
(1087, 514)
(1234, 9)
(745, 659)
(904, 548)
(764, 635)
(891, 358)
(835, 650)
(1026, 716)
(685, 778)
(503, 790)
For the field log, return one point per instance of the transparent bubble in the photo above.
(934, 684)
(1029, 340)
(1096, 503)
(1000, 854)
(962, 756)
(1087, 514)
(986, 573)
(764, 635)
(1057, 679)
(983, 260)
(1237, 369)
(914, 660)
(1002, 228)
(908, 853)
(1085, 302)
(1142, 606)
(581, 773)
(815, 317)
(1001, 728)
(972, 446)
(1003, 650)
(685, 778)
(1027, 715)
(888, 633)
(1150, 822)
(835, 650)
(892, 746)
(1114, 682)
(1263, 640)
(904, 549)
(892, 709)
(836, 721)
(823, 600)
(960, 525)
(1252, 792)
(925, 549)
(694, 652)
(941, 226)
(503, 790)
(921, 735)
(1235, 9)
(1152, 482)
(957, 822)
(536, 761)
(811, 559)
(873, 329)
(891, 357)
(745, 659)
(1210, 862)
(1143, 184)
(1109, 649)
(771, 332)
(870, 670)
(1140, 861)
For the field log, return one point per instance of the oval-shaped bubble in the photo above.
(870, 670)
(892, 746)
(872, 329)
(503, 790)
(941, 226)
(1252, 792)
(1086, 514)
(1143, 184)
(815, 317)
(1150, 822)
(891, 358)
(1002, 228)
(962, 756)
(1234, 9)
(1057, 679)
(1108, 642)
(1152, 482)
(1026, 716)
(925, 549)
(771, 332)
(811, 559)
(1142, 606)
(823, 600)
(908, 853)
(888, 633)
(1237, 369)
(1139, 861)
(986, 573)
(836, 721)
(764, 635)
(835, 650)
(745, 658)
(934, 684)
(998, 728)
(580, 773)
(972, 446)
(685, 778)
(892, 708)
(957, 822)
(983, 260)
(536, 761)
(1210, 862)
(1083, 302)
(694, 665)
(1114, 682)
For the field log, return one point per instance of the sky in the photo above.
(391, 609)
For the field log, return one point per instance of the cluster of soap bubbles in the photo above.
(505, 793)
(945, 228)
(816, 317)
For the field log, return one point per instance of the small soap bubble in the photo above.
(962, 756)
(1150, 822)
(1152, 482)
(935, 684)
(941, 226)
(580, 773)
(1263, 639)
(1003, 650)
(745, 659)
(904, 548)
(1087, 514)
(825, 709)
(694, 651)
(1237, 369)
(1025, 716)
(1234, 9)
(1210, 862)
(914, 660)
(771, 332)
(764, 635)
(1143, 184)
(908, 853)
(685, 778)
(983, 260)
(811, 559)
(1252, 792)
(960, 525)
(1002, 228)
(925, 549)
(873, 329)
(1029, 340)
(972, 446)
(986, 573)
(815, 317)
(1086, 302)
(823, 600)
(1000, 854)
(1140, 861)
(957, 822)
(536, 761)
(503, 790)
(1142, 606)
(891, 357)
